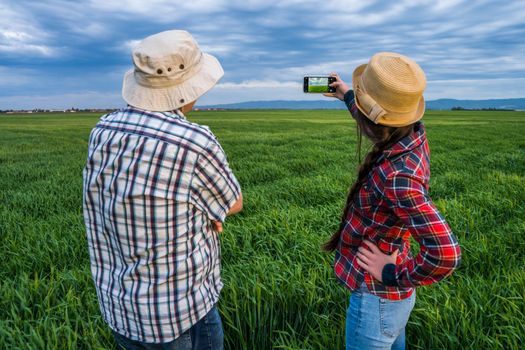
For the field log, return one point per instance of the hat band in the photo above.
(165, 81)
(371, 108)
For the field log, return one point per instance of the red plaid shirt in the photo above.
(393, 204)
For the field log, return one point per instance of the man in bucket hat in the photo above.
(156, 191)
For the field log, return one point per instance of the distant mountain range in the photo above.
(511, 103)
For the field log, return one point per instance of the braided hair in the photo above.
(382, 137)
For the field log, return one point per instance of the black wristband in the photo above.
(348, 97)
(389, 275)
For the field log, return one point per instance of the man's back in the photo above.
(153, 183)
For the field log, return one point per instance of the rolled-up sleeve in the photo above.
(214, 188)
(439, 252)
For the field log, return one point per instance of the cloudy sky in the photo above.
(62, 53)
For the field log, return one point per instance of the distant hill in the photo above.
(511, 103)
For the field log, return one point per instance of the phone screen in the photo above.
(318, 84)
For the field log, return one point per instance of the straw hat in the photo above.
(170, 72)
(389, 89)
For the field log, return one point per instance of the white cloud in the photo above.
(158, 10)
(86, 99)
(93, 30)
(218, 49)
(476, 89)
(257, 84)
(21, 34)
(129, 45)
(446, 5)
(18, 47)
(17, 36)
(252, 5)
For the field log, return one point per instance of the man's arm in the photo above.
(216, 190)
(237, 207)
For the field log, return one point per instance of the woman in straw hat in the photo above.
(387, 204)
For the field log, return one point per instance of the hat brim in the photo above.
(391, 118)
(173, 97)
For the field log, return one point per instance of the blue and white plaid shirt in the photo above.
(153, 184)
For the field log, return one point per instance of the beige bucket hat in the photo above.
(389, 89)
(170, 71)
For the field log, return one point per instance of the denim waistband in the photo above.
(363, 288)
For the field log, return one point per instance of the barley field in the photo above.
(280, 292)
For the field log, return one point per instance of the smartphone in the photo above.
(318, 84)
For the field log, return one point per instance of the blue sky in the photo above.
(58, 53)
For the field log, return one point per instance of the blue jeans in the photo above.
(207, 334)
(376, 323)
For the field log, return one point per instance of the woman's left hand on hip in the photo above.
(372, 259)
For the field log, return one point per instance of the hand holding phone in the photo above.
(339, 87)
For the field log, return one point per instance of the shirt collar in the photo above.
(173, 114)
(179, 113)
(408, 143)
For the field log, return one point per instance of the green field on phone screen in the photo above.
(317, 88)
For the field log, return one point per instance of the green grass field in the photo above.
(317, 88)
(280, 292)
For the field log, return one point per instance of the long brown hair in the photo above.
(382, 137)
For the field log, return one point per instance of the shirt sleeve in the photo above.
(439, 252)
(348, 99)
(214, 189)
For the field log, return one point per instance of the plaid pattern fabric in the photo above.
(153, 182)
(393, 204)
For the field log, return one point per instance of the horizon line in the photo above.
(214, 105)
